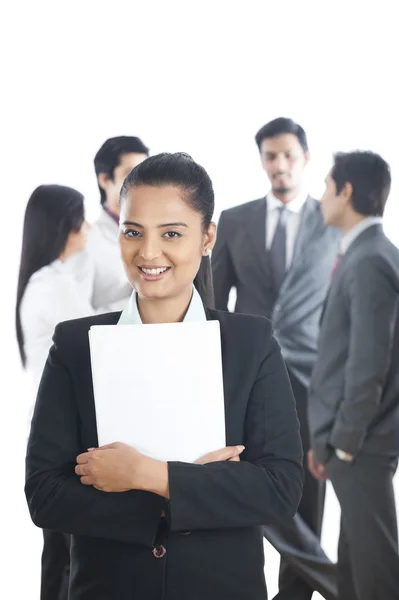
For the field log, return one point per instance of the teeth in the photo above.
(154, 271)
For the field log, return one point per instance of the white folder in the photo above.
(159, 388)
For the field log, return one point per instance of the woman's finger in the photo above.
(81, 470)
(221, 455)
(87, 480)
(83, 458)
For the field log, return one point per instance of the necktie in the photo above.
(336, 264)
(278, 249)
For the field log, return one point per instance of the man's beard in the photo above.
(281, 190)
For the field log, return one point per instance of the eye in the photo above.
(131, 233)
(171, 235)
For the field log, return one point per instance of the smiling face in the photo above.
(162, 241)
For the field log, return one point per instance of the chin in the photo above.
(151, 290)
(282, 191)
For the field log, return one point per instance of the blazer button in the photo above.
(185, 532)
(159, 551)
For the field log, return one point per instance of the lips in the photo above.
(154, 270)
(153, 273)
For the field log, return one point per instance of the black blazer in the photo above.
(240, 260)
(213, 538)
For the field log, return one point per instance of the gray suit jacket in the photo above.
(240, 260)
(354, 393)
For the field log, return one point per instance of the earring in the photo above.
(208, 251)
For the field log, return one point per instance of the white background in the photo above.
(198, 76)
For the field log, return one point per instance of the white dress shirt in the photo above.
(110, 284)
(53, 294)
(195, 312)
(353, 233)
(294, 210)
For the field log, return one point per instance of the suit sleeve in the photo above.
(224, 277)
(57, 500)
(373, 297)
(263, 488)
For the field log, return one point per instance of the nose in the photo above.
(150, 248)
(281, 163)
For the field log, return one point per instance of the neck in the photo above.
(63, 257)
(111, 213)
(351, 221)
(169, 310)
(286, 197)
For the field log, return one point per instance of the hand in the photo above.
(318, 470)
(113, 468)
(344, 456)
(229, 454)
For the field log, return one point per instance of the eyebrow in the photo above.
(178, 224)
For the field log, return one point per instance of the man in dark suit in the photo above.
(278, 254)
(354, 397)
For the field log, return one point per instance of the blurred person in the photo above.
(278, 254)
(354, 393)
(112, 163)
(148, 529)
(54, 235)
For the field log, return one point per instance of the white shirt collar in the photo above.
(294, 205)
(107, 221)
(131, 315)
(353, 233)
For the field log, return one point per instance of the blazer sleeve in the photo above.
(373, 298)
(57, 500)
(263, 488)
(224, 277)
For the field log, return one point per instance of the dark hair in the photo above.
(370, 177)
(279, 127)
(182, 171)
(52, 213)
(109, 156)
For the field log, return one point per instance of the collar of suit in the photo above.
(357, 230)
(294, 205)
(195, 312)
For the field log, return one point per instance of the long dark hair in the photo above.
(52, 213)
(182, 171)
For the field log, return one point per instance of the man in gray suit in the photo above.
(354, 395)
(278, 254)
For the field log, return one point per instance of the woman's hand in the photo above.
(118, 467)
(230, 454)
(112, 468)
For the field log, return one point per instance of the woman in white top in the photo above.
(49, 291)
(55, 231)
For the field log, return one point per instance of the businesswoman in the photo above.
(49, 291)
(143, 528)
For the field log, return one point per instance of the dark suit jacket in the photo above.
(240, 260)
(354, 394)
(221, 505)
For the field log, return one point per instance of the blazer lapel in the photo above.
(256, 236)
(310, 223)
(361, 239)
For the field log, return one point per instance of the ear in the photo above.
(307, 157)
(347, 192)
(103, 180)
(209, 239)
